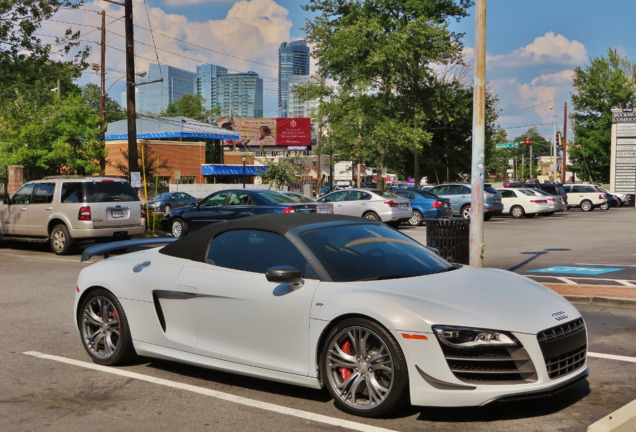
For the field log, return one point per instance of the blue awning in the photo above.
(168, 128)
(221, 170)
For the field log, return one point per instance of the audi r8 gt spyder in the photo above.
(331, 301)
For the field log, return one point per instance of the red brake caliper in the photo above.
(344, 372)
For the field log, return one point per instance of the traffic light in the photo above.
(527, 141)
(559, 139)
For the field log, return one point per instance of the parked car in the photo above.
(618, 199)
(551, 188)
(425, 205)
(555, 202)
(520, 202)
(298, 197)
(167, 201)
(586, 196)
(64, 210)
(332, 301)
(230, 204)
(326, 189)
(373, 204)
(459, 196)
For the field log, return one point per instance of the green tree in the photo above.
(284, 172)
(605, 83)
(383, 54)
(191, 106)
(112, 110)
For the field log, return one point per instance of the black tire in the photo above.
(517, 211)
(465, 212)
(60, 240)
(487, 216)
(379, 366)
(166, 208)
(586, 205)
(530, 215)
(104, 329)
(619, 202)
(371, 216)
(547, 213)
(178, 227)
(416, 218)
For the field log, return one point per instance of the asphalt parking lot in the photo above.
(49, 384)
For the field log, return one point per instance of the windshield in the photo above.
(371, 252)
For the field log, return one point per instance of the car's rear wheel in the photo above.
(605, 206)
(465, 213)
(178, 228)
(517, 211)
(363, 368)
(60, 240)
(586, 205)
(416, 218)
(104, 328)
(371, 216)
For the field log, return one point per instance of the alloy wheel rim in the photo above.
(59, 240)
(360, 368)
(101, 327)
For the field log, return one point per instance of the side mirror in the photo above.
(285, 274)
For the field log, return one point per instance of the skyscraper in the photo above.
(293, 59)
(207, 84)
(154, 98)
(240, 94)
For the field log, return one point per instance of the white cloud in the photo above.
(181, 3)
(549, 49)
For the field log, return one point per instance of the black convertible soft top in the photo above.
(194, 246)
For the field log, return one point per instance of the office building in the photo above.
(207, 85)
(293, 59)
(240, 94)
(154, 98)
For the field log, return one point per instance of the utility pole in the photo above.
(554, 143)
(102, 93)
(479, 138)
(565, 140)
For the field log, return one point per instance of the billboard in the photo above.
(269, 131)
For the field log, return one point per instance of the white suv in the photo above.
(586, 196)
(63, 209)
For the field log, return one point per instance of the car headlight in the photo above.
(460, 337)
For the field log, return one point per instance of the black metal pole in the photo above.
(130, 89)
(244, 172)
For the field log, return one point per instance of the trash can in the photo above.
(451, 237)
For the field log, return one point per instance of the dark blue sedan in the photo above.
(231, 204)
(167, 201)
(425, 205)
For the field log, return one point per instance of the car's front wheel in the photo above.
(586, 205)
(363, 368)
(60, 240)
(178, 228)
(104, 328)
(465, 213)
(416, 218)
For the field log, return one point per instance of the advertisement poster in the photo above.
(263, 132)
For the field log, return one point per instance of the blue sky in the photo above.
(532, 46)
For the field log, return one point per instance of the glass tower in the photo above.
(207, 84)
(240, 94)
(293, 59)
(154, 98)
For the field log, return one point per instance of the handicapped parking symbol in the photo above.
(576, 270)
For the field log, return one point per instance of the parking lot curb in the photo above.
(601, 301)
(621, 420)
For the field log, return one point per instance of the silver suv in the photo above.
(63, 209)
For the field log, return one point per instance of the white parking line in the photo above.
(305, 415)
(612, 357)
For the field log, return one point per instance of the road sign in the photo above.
(507, 145)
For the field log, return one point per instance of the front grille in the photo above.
(493, 365)
(564, 348)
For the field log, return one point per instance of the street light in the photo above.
(244, 159)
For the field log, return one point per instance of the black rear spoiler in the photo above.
(122, 245)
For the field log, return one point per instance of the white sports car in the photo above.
(335, 301)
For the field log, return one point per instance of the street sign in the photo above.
(507, 145)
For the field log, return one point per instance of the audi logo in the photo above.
(559, 316)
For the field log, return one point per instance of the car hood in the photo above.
(468, 296)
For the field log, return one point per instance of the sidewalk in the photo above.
(596, 294)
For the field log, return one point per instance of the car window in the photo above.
(23, 195)
(490, 189)
(527, 192)
(108, 191)
(275, 197)
(43, 193)
(336, 196)
(365, 251)
(383, 194)
(464, 190)
(72, 192)
(255, 251)
(239, 198)
(507, 194)
(215, 200)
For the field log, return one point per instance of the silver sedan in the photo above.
(373, 204)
